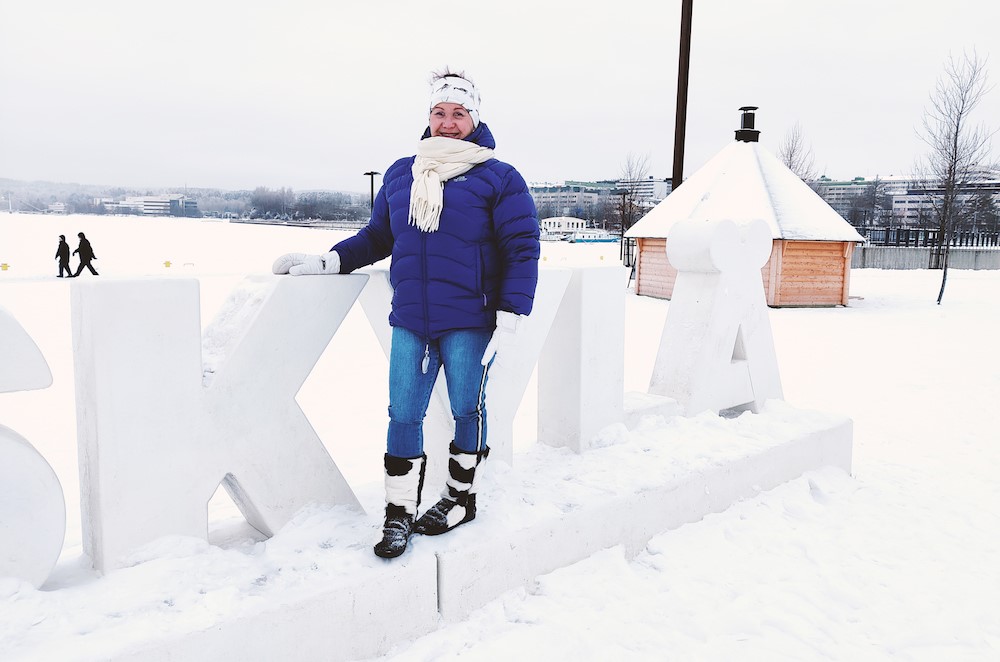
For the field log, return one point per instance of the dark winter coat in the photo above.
(482, 258)
(62, 252)
(85, 251)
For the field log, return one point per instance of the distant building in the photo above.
(584, 199)
(112, 206)
(557, 224)
(569, 199)
(911, 197)
(164, 205)
(151, 205)
(57, 208)
(841, 194)
(649, 191)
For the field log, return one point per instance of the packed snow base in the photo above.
(188, 585)
(898, 561)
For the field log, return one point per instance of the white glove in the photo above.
(301, 264)
(503, 336)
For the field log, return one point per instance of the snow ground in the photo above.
(897, 561)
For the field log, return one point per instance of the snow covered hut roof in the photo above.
(744, 182)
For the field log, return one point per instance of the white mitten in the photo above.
(301, 264)
(503, 336)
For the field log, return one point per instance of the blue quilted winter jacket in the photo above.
(482, 258)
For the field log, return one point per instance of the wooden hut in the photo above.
(810, 263)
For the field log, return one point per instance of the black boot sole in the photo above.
(421, 531)
(388, 553)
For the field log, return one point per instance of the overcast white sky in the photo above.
(310, 94)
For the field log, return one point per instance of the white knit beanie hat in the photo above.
(452, 88)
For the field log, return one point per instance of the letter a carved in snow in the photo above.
(717, 350)
(158, 433)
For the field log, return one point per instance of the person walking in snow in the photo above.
(62, 254)
(86, 255)
(462, 230)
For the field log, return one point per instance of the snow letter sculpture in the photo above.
(581, 373)
(717, 351)
(159, 432)
(32, 509)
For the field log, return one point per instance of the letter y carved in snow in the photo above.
(159, 430)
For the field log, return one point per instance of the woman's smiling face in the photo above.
(450, 120)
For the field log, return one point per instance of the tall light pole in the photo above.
(371, 175)
(680, 118)
(623, 192)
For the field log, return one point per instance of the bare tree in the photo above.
(546, 210)
(633, 171)
(958, 149)
(872, 206)
(796, 155)
(277, 202)
(985, 216)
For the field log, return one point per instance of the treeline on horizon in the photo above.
(262, 202)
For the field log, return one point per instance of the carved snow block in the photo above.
(717, 350)
(581, 376)
(32, 511)
(511, 370)
(641, 405)
(498, 553)
(32, 507)
(158, 433)
(22, 366)
(381, 607)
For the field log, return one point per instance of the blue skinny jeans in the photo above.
(461, 353)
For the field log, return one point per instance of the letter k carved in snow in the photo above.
(159, 430)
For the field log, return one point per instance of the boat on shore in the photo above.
(592, 237)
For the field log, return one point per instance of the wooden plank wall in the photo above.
(798, 273)
(771, 273)
(654, 275)
(813, 273)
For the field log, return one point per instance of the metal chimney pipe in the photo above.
(746, 133)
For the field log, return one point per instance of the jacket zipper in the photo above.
(425, 363)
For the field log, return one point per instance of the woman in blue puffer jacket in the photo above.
(462, 231)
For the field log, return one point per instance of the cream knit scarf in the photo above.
(438, 160)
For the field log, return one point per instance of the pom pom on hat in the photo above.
(452, 88)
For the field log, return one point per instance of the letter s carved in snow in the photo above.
(32, 509)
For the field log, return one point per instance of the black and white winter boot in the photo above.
(458, 501)
(404, 478)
